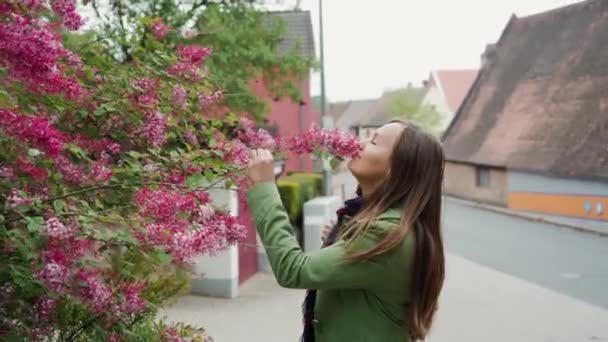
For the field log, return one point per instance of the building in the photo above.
(291, 117)
(363, 117)
(532, 132)
(445, 91)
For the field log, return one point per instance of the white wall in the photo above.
(218, 276)
(434, 97)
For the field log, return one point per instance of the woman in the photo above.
(381, 277)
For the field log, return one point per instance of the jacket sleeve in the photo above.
(322, 269)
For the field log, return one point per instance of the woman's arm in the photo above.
(322, 269)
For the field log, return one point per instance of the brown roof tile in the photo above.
(541, 104)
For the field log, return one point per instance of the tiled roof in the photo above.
(299, 33)
(541, 104)
(455, 84)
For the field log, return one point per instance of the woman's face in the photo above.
(374, 162)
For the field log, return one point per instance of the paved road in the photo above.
(566, 261)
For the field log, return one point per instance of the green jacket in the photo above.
(363, 301)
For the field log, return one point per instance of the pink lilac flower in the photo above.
(154, 234)
(43, 334)
(176, 177)
(55, 253)
(132, 300)
(32, 54)
(163, 205)
(206, 101)
(183, 247)
(37, 131)
(332, 141)
(172, 335)
(77, 248)
(93, 291)
(113, 336)
(233, 230)
(237, 153)
(100, 173)
(253, 138)
(147, 92)
(202, 196)
(205, 212)
(190, 138)
(192, 169)
(242, 182)
(66, 9)
(153, 129)
(14, 199)
(98, 146)
(31, 170)
(45, 307)
(7, 172)
(188, 71)
(55, 277)
(72, 173)
(194, 54)
(54, 229)
(179, 96)
(160, 29)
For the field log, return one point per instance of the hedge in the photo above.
(316, 178)
(296, 189)
(291, 195)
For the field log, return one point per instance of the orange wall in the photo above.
(559, 204)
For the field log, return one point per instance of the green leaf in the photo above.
(163, 257)
(195, 181)
(34, 223)
(210, 175)
(59, 205)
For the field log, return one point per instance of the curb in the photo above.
(525, 216)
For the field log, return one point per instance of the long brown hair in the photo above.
(414, 184)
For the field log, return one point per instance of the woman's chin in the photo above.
(351, 165)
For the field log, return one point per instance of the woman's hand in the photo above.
(260, 168)
(326, 230)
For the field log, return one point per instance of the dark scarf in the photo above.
(351, 208)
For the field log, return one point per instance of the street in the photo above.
(566, 261)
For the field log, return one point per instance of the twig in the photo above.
(113, 186)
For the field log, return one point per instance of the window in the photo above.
(482, 179)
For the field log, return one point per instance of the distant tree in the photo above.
(244, 37)
(407, 104)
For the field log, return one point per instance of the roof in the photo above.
(454, 85)
(356, 112)
(371, 112)
(335, 110)
(299, 34)
(383, 113)
(541, 104)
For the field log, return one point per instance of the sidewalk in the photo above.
(478, 305)
(587, 226)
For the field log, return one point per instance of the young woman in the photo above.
(381, 272)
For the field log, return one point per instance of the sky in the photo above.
(384, 44)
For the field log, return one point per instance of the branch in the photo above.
(124, 47)
(83, 327)
(97, 13)
(119, 185)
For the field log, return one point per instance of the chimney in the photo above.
(487, 57)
